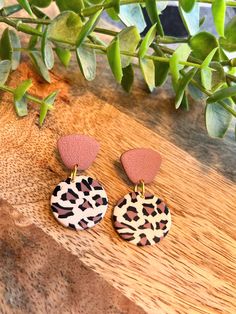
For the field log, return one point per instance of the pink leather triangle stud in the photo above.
(141, 164)
(80, 150)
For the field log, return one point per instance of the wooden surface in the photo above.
(193, 269)
(39, 276)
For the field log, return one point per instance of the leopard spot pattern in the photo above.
(141, 220)
(80, 204)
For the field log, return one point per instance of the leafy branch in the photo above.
(200, 66)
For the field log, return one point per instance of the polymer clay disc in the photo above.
(80, 204)
(141, 220)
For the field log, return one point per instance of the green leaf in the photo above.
(86, 58)
(26, 6)
(184, 103)
(11, 9)
(116, 6)
(88, 27)
(8, 43)
(20, 100)
(41, 3)
(202, 44)
(21, 107)
(128, 78)
(1, 4)
(129, 39)
(191, 19)
(147, 40)
(181, 54)
(218, 76)
(20, 91)
(161, 68)
(153, 14)
(182, 85)
(222, 94)
(43, 113)
(161, 6)
(161, 72)
(66, 26)
(72, 5)
(223, 55)
(202, 20)
(195, 93)
(208, 59)
(5, 69)
(114, 59)
(218, 11)
(40, 14)
(206, 72)
(39, 65)
(112, 14)
(229, 41)
(187, 5)
(217, 119)
(47, 52)
(148, 70)
(49, 100)
(46, 105)
(132, 15)
(63, 55)
(174, 69)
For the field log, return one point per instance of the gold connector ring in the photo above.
(74, 173)
(140, 185)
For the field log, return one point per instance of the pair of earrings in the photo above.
(80, 202)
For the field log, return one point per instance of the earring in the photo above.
(80, 201)
(140, 217)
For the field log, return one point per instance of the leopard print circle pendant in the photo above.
(80, 203)
(141, 220)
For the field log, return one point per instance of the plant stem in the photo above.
(127, 53)
(135, 55)
(96, 46)
(28, 96)
(91, 10)
(23, 49)
(18, 25)
(195, 60)
(231, 77)
(7, 89)
(223, 104)
(163, 40)
(105, 31)
(29, 20)
(34, 99)
(171, 40)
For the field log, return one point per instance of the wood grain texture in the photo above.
(193, 269)
(39, 276)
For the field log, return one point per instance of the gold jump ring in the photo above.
(74, 173)
(140, 185)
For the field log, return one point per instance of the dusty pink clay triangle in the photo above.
(80, 150)
(141, 164)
